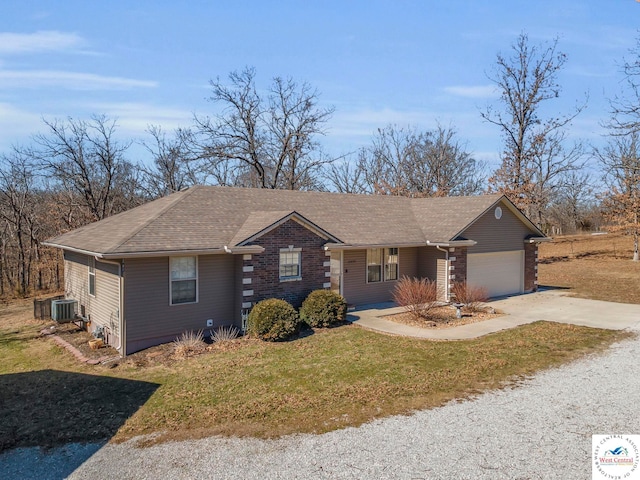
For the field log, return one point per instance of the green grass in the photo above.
(332, 379)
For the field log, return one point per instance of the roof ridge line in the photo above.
(161, 212)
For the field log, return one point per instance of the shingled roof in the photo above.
(206, 218)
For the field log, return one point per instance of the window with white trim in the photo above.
(382, 264)
(183, 280)
(92, 276)
(290, 264)
(374, 265)
(390, 263)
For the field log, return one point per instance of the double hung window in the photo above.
(183, 280)
(382, 264)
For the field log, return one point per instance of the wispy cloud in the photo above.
(135, 117)
(472, 91)
(68, 80)
(42, 41)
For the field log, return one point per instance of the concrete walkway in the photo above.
(551, 305)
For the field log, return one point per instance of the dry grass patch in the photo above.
(327, 380)
(345, 377)
(597, 267)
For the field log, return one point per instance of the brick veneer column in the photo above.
(458, 265)
(248, 292)
(530, 267)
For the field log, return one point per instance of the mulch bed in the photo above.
(443, 317)
(79, 339)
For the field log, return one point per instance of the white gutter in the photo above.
(244, 249)
(538, 240)
(452, 243)
(344, 246)
(159, 253)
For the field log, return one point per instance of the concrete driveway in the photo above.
(552, 305)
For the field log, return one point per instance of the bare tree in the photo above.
(173, 167)
(571, 207)
(88, 162)
(405, 162)
(348, 176)
(621, 203)
(18, 205)
(625, 108)
(535, 154)
(263, 141)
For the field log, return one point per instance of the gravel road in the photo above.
(540, 429)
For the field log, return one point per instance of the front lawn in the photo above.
(331, 379)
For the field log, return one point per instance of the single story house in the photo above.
(204, 256)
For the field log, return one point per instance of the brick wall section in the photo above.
(530, 267)
(458, 267)
(265, 278)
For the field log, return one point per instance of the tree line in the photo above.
(79, 171)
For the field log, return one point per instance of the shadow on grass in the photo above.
(51, 408)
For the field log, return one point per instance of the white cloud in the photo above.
(43, 41)
(68, 80)
(472, 91)
(134, 117)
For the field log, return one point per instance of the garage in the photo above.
(501, 273)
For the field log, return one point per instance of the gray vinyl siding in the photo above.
(493, 235)
(442, 274)
(103, 309)
(150, 319)
(356, 289)
(427, 262)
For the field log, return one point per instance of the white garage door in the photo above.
(501, 273)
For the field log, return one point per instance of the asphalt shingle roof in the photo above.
(203, 218)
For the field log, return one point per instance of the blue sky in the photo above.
(377, 62)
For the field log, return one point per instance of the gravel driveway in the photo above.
(540, 429)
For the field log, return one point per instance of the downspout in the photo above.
(120, 309)
(446, 259)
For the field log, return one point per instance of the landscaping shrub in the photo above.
(272, 320)
(223, 334)
(188, 343)
(416, 295)
(323, 308)
(472, 297)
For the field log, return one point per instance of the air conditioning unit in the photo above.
(64, 311)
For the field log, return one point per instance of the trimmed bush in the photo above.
(323, 308)
(472, 297)
(416, 295)
(272, 320)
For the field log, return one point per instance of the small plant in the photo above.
(416, 295)
(323, 308)
(189, 343)
(472, 297)
(224, 334)
(272, 320)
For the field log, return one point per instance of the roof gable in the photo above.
(260, 223)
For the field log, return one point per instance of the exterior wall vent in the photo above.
(64, 311)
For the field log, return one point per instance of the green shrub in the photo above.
(323, 308)
(272, 320)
